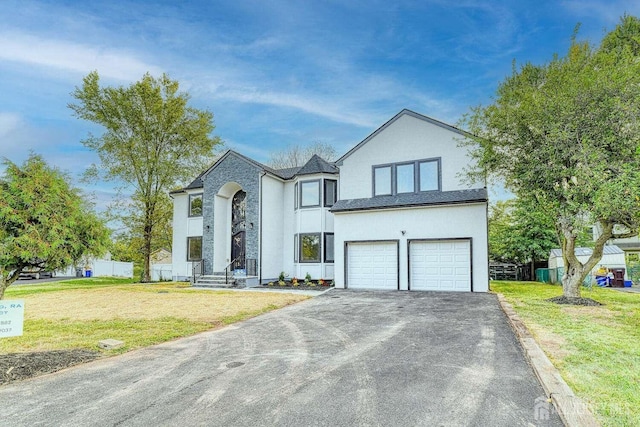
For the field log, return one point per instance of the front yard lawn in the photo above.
(76, 314)
(596, 349)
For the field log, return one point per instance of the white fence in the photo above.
(112, 269)
(101, 268)
(161, 272)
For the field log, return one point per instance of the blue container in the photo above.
(601, 280)
(87, 273)
(628, 283)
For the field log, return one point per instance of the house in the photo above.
(392, 213)
(612, 258)
(161, 256)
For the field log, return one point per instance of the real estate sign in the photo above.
(11, 318)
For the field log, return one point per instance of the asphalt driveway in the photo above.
(345, 358)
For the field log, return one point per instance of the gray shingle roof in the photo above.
(317, 164)
(412, 199)
(287, 173)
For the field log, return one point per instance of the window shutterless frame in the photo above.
(429, 175)
(295, 196)
(382, 180)
(309, 248)
(328, 248)
(407, 177)
(309, 194)
(194, 248)
(330, 192)
(195, 205)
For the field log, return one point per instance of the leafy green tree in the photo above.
(520, 231)
(44, 222)
(567, 134)
(152, 142)
(500, 231)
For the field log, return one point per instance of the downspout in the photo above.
(262, 174)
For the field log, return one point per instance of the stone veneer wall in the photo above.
(247, 175)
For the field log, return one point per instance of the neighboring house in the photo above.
(612, 258)
(392, 213)
(630, 245)
(161, 256)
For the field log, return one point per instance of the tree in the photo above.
(44, 222)
(567, 134)
(520, 231)
(152, 141)
(295, 155)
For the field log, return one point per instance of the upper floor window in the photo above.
(405, 178)
(381, 180)
(309, 193)
(429, 175)
(330, 192)
(409, 177)
(195, 205)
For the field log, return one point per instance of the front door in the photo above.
(238, 226)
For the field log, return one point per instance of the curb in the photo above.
(571, 409)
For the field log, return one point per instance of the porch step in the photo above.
(215, 281)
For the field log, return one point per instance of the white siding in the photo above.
(272, 233)
(438, 222)
(406, 139)
(183, 227)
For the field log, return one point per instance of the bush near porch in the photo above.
(596, 349)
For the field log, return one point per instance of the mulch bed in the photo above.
(20, 366)
(301, 286)
(574, 301)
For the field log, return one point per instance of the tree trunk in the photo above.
(3, 287)
(572, 279)
(146, 274)
(6, 281)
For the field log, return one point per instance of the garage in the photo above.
(440, 265)
(372, 265)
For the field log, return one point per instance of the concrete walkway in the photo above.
(345, 358)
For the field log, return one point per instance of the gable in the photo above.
(404, 114)
(408, 138)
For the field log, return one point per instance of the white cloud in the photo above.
(72, 57)
(308, 104)
(609, 11)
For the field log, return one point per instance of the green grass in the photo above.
(22, 288)
(596, 349)
(111, 308)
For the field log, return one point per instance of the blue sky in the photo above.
(274, 73)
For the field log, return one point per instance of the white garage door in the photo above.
(440, 265)
(372, 265)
